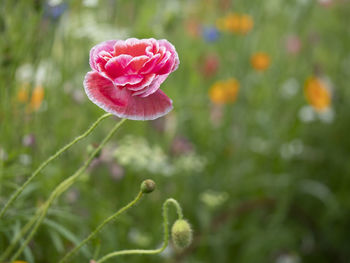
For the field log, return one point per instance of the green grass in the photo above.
(285, 182)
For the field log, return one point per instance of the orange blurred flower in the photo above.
(22, 94)
(37, 98)
(192, 27)
(247, 24)
(224, 91)
(235, 23)
(232, 23)
(317, 93)
(260, 61)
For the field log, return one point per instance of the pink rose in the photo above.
(126, 76)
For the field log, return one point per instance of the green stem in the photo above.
(165, 240)
(51, 158)
(98, 229)
(23, 231)
(63, 187)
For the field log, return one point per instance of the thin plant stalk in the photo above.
(23, 231)
(99, 228)
(50, 159)
(62, 187)
(165, 240)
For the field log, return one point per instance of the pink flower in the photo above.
(293, 44)
(126, 77)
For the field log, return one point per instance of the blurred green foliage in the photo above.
(265, 179)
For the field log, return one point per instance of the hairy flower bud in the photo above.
(148, 186)
(181, 234)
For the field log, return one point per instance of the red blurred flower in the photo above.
(210, 65)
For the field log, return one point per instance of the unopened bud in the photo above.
(181, 234)
(148, 186)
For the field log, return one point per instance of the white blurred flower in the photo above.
(25, 159)
(288, 258)
(3, 154)
(189, 163)
(137, 154)
(307, 114)
(47, 72)
(259, 145)
(86, 26)
(291, 149)
(54, 2)
(167, 252)
(327, 115)
(213, 198)
(25, 73)
(90, 3)
(139, 238)
(289, 88)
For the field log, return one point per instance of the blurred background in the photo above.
(256, 149)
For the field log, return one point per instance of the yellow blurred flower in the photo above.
(37, 98)
(224, 91)
(317, 93)
(22, 94)
(247, 24)
(260, 61)
(235, 23)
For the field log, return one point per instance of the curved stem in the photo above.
(98, 229)
(63, 187)
(165, 240)
(51, 158)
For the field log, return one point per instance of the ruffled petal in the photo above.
(136, 64)
(102, 92)
(120, 102)
(115, 67)
(128, 79)
(153, 87)
(169, 47)
(150, 64)
(132, 46)
(147, 80)
(106, 47)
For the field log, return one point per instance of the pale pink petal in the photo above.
(132, 46)
(165, 65)
(120, 102)
(106, 47)
(153, 48)
(149, 108)
(169, 47)
(102, 92)
(128, 79)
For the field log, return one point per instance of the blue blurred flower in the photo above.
(54, 10)
(210, 33)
